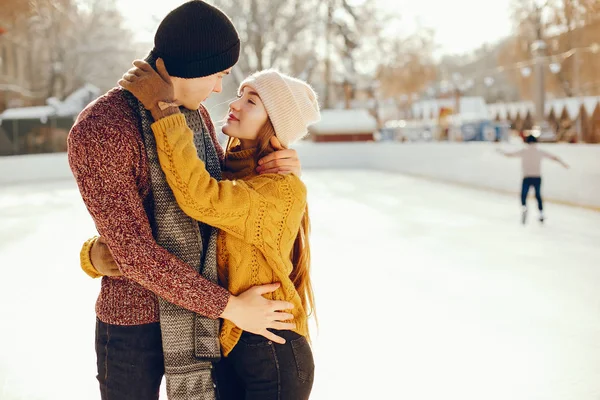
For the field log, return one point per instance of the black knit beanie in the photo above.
(196, 40)
(530, 139)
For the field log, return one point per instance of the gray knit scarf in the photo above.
(190, 341)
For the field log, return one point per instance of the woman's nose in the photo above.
(235, 105)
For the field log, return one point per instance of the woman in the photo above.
(263, 220)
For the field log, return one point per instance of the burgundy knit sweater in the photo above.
(108, 159)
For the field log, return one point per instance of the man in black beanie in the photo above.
(161, 317)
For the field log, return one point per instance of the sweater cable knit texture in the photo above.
(107, 157)
(259, 217)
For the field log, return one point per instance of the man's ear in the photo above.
(162, 70)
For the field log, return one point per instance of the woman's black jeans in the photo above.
(258, 369)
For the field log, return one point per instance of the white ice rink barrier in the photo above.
(34, 168)
(476, 165)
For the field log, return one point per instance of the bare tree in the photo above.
(12, 11)
(409, 66)
(274, 34)
(102, 48)
(321, 41)
(570, 18)
(353, 39)
(68, 43)
(563, 25)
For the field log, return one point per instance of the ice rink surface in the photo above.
(425, 291)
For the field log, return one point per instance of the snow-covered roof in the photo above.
(431, 108)
(41, 113)
(570, 104)
(498, 110)
(345, 122)
(471, 108)
(77, 100)
(548, 107)
(510, 110)
(590, 103)
(70, 107)
(521, 108)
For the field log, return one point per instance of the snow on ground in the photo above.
(424, 291)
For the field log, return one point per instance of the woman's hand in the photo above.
(253, 313)
(281, 161)
(153, 89)
(102, 259)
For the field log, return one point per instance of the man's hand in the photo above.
(102, 259)
(151, 87)
(281, 161)
(253, 313)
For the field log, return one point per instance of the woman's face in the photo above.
(247, 115)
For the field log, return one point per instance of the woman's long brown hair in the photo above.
(300, 256)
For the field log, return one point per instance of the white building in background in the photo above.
(570, 107)
(344, 125)
(565, 116)
(43, 129)
(469, 108)
(70, 107)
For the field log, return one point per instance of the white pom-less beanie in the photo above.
(291, 103)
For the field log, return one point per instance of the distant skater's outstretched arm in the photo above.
(510, 153)
(555, 158)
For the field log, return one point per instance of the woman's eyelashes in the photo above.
(239, 96)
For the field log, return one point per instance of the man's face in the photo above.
(191, 92)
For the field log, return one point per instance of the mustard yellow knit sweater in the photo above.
(258, 216)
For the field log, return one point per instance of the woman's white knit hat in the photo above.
(291, 103)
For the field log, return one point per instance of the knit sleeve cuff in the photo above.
(86, 260)
(172, 121)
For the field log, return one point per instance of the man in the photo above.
(161, 316)
(531, 166)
